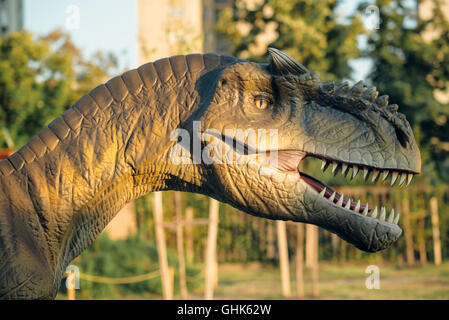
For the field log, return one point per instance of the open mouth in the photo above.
(290, 160)
(372, 228)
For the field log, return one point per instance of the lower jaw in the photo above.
(319, 187)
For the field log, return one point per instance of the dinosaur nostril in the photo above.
(402, 137)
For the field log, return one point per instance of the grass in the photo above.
(336, 282)
(255, 281)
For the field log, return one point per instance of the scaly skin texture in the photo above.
(115, 144)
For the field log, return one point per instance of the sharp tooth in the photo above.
(385, 174)
(403, 176)
(355, 170)
(340, 201)
(323, 192)
(365, 211)
(375, 175)
(383, 213)
(409, 178)
(344, 168)
(332, 197)
(394, 176)
(348, 204)
(365, 173)
(334, 167)
(396, 220)
(357, 207)
(374, 214)
(324, 164)
(391, 216)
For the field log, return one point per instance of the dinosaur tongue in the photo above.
(314, 183)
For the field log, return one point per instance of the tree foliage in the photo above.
(411, 61)
(313, 32)
(40, 78)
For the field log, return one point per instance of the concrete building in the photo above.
(173, 27)
(11, 16)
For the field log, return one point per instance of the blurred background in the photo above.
(186, 246)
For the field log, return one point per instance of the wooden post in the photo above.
(408, 233)
(71, 289)
(167, 291)
(435, 230)
(189, 235)
(211, 248)
(180, 246)
(309, 245)
(422, 239)
(312, 255)
(283, 257)
(300, 260)
(270, 240)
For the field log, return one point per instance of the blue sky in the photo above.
(111, 26)
(106, 25)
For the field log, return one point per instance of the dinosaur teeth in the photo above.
(348, 204)
(334, 167)
(391, 216)
(375, 175)
(385, 174)
(324, 164)
(357, 207)
(340, 201)
(365, 173)
(323, 192)
(355, 170)
(394, 176)
(344, 168)
(409, 178)
(403, 176)
(365, 212)
(374, 214)
(383, 214)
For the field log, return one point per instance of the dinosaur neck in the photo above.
(75, 175)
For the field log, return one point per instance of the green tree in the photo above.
(410, 61)
(40, 79)
(313, 32)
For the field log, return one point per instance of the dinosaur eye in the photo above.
(262, 103)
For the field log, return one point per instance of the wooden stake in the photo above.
(422, 239)
(435, 231)
(71, 289)
(270, 240)
(312, 255)
(167, 291)
(211, 248)
(180, 246)
(189, 235)
(408, 233)
(300, 260)
(309, 245)
(283, 257)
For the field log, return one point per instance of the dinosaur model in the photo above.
(60, 190)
